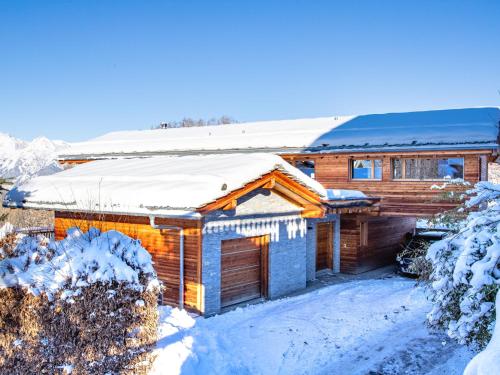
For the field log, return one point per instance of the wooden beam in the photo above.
(277, 182)
(270, 184)
(293, 197)
(231, 205)
(302, 195)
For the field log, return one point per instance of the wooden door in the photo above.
(324, 246)
(244, 269)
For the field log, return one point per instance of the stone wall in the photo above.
(259, 213)
(494, 173)
(311, 245)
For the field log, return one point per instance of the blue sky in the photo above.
(73, 70)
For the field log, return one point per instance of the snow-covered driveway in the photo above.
(359, 327)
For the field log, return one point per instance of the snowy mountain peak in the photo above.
(21, 160)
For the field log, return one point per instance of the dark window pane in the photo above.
(428, 169)
(397, 169)
(451, 168)
(411, 169)
(362, 169)
(306, 166)
(431, 169)
(377, 172)
(366, 169)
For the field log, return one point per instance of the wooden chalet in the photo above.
(397, 157)
(222, 229)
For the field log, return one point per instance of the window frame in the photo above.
(372, 161)
(403, 168)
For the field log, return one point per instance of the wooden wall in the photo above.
(162, 244)
(399, 197)
(75, 161)
(384, 238)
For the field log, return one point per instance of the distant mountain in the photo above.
(21, 160)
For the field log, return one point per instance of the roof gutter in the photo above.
(181, 254)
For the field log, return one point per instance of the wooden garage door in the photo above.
(324, 246)
(244, 269)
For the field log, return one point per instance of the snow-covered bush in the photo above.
(87, 303)
(488, 361)
(8, 240)
(452, 191)
(466, 274)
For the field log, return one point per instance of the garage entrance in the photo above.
(244, 267)
(324, 246)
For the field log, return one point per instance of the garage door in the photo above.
(244, 269)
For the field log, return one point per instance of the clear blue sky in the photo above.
(76, 69)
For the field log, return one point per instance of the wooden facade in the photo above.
(412, 198)
(244, 263)
(368, 242)
(244, 269)
(370, 235)
(324, 246)
(163, 245)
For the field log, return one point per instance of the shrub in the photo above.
(86, 304)
(466, 271)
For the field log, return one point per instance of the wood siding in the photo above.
(243, 269)
(399, 197)
(162, 244)
(367, 243)
(324, 246)
(75, 161)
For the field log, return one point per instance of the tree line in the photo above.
(188, 122)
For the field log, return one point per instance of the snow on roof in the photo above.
(343, 194)
(152, 186)
(452, 128)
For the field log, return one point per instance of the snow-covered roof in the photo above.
(472, 128)
(152, 186)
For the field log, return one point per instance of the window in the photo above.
(306, 166)
(427, 169)
(366, 169)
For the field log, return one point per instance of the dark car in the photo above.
(414, 250)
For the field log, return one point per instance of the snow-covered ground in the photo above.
(374, 326)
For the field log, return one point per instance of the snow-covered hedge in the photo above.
(81, 259)
(87, 303)
(466, 273)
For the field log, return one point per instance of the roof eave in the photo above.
(490, 145)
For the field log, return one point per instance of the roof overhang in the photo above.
(310, 202)
(367, 205)
(486, 147)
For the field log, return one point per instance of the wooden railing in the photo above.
(44, 231)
